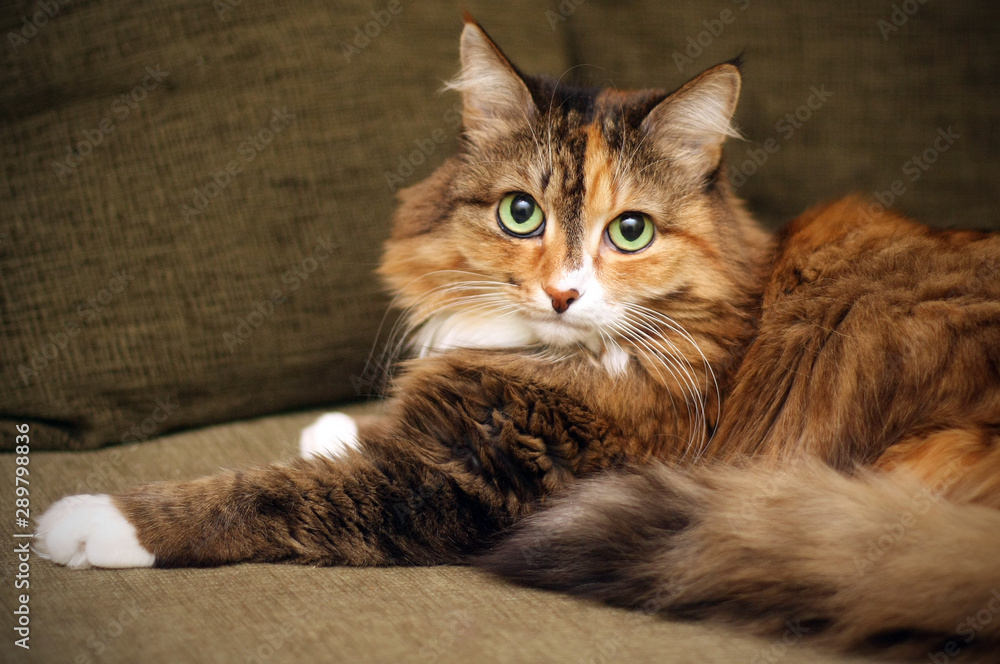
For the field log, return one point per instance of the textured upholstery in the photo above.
(194, 195)
(207, 251)
(165, 263)
(868, 86)
(275, 614)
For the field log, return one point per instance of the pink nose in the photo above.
(561, 299)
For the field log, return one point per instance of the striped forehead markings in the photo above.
(582, 157)
(573, 186)
(546, 176)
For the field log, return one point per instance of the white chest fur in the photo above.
(471, 330)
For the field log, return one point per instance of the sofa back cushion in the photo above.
(894, 100)
(194, 198)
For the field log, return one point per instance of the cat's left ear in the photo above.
(494, 96)
(692, 123)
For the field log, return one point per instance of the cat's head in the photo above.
(572, 216)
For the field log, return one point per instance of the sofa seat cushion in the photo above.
(287, 613)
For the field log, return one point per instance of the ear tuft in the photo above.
(492, 89)
(698, 117)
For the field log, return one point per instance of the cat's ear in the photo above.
(494, 96)
(692, 123)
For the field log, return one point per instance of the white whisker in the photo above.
(657, 318)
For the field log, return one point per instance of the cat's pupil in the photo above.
(631, 227)
(521, 208)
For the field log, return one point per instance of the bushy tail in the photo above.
(870, 562)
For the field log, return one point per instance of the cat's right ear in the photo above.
(692, 123)
(494, 96)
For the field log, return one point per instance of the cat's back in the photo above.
(872, 326)
(847, 250)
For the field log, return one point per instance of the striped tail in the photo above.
(867, 562)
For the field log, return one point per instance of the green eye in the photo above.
(519, 215)
(631, 232)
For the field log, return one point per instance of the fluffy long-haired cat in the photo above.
(794, 429)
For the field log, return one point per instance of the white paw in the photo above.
(332, 435)
(89, 531)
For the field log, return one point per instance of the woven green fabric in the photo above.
(128, 297)
(194, 197)
(257, 614)
(872, 84)
(194, 194)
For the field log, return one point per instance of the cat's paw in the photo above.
(89, 531)
(332, 435)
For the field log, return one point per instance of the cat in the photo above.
(624, 388)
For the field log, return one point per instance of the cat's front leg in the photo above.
(353, 511)
(465, 451)
(334, 434)
(92, 530)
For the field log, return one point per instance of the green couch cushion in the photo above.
(168, 258)
(269, 614)
(868, 85)
(194, 197)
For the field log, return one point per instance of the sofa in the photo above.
(193, 199)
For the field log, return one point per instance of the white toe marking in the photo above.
(332, 435)
(89, 531)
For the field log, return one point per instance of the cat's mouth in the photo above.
(555, 320)
(561, 330)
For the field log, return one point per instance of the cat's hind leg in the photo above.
(960, 464)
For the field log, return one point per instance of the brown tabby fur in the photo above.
(855, 359)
